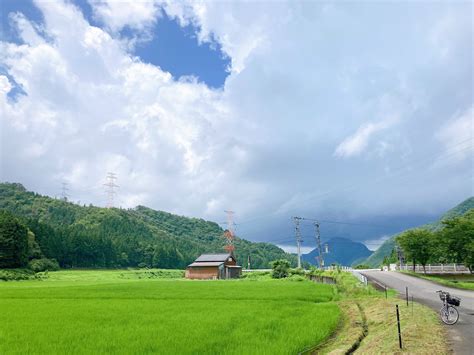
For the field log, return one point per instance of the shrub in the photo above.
(256, 275)
(16, 274)
(297, 271)
(295, 277)
(362, 266)
(280, 268)
(38, 265)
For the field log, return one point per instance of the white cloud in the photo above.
(262, 144)
(5, 86)
(116, 14)
(355, 144)
(26, 29)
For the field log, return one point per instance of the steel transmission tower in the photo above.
(318, 243)
(298, 238)
(229, 233)
(64, 190)
(110, 188)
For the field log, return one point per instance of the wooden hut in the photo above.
(214, 266)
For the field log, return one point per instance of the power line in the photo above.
(400, 169)
(110, 188)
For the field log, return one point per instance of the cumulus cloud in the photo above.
(116, 14)
(264, 144)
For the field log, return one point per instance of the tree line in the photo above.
(452, 243)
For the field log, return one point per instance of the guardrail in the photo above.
(437, 269)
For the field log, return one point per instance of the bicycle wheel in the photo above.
(449, 315)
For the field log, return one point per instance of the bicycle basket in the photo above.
(455, 301)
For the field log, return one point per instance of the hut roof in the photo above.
(204, 263)
(213, 257)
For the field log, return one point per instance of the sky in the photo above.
(359, 113)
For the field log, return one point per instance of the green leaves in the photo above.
(13, 241)
(280, 268)
(453, 243)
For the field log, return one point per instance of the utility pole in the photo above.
(229, 233)
(248, 262)
(298, 239)
(64, 190)
(400, 257)
(318, 243)
(110, 188)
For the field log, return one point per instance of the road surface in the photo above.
(461, 334)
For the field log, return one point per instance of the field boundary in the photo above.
(348, 335)
(365, 330)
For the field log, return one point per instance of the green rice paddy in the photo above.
(122, 312)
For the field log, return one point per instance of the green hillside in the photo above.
(375, 260)
(89, 236)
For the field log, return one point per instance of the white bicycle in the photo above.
(449, 314)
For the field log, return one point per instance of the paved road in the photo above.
(462, 333)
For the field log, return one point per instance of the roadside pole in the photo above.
(406, 294)
(399, 330)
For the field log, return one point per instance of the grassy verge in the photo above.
(89, 312)
(463, 281)
(422, 332)
(369, 323)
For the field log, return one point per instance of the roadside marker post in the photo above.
(386, 292)
(406, 293)
(399, 330)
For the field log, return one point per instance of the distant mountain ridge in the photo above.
(342, 251)
(90, 236)
(376, 259)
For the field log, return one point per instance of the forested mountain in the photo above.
(376, 259)
(89, 236)
(341, 251)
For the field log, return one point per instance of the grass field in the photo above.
(462, 281)
(85, 312)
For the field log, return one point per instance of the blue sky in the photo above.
(350, 111)
(172, 47)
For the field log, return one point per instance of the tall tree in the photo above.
(13, 241)
(418, 246)
(457, 238)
